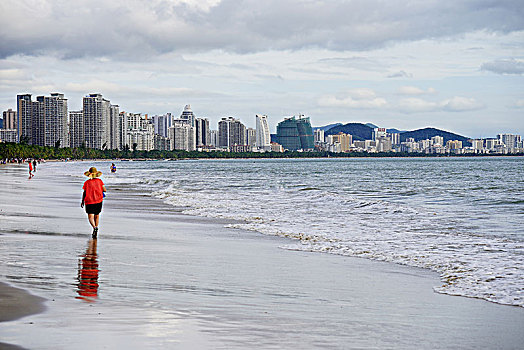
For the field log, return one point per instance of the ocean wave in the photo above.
(429, 226)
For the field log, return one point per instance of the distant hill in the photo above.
(427, 133)
(362, 132)
(359, 131)
(372, 126)
(327, 127)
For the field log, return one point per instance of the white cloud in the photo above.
(455, 104)
(412, 105)
(460, 104)
(362, 98)
(413, 90)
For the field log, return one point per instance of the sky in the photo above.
(454, 65)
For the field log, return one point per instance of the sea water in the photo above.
(461, 217)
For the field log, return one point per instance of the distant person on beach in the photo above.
(92, 197)
(30, 169)
(113, 168)
(34, 165)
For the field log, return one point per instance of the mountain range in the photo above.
(362, 132)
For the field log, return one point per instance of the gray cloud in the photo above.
(507, 66)
(133, 30)
(401, 74)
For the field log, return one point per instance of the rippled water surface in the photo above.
(462, 217)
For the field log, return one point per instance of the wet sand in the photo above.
(159, 279)
(16, 303)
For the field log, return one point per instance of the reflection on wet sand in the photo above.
(88, 273)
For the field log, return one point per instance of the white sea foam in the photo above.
(449, 216)
(326, 217)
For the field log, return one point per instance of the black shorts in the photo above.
(94, 208)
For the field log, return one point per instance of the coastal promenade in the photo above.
(159, 279)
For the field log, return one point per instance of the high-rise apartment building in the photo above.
(510, 140)
(383, 144)
(395, 138)
(213, 138)
(114, 127)
(182, 135)
(188, 115)
(8, 132)
(162, 124)
(319, 136)
(97, 121)
(9, 118)
(139, 132)
(251, 138)
(477, 144)
(231, 132)
(454, 144)
(43, 122)
(50, 121)
(24, 120)
(202, 132)
(295, 134)
(345, 141)
(263, 136)
(76, 129)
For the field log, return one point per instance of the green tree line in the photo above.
(17, 150)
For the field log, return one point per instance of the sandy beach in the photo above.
(156, 278)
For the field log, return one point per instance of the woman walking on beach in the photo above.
(92, 197)
(30, 169)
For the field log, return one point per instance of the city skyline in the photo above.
(456, 67)
(187, 113)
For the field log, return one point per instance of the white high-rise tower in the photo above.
(263, 137)
(188, 115)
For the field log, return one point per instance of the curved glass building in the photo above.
(295, 134)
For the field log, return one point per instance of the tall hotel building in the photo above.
(203, 135)
(43, 122)
(231, 132)
(9, 117)
(139, 132)
(76, 129)
(162, 124)
(8, 132)
(24, 120)
(182, 135)
(188, 115)
(101, 127)
(263, 137)
(114, 127)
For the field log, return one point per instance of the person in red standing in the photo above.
(30, 169)
(93, 197)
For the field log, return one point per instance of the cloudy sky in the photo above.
(456, 65)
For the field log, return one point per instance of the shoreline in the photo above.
(173, 279)
(16, 303)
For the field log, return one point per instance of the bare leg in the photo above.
(91, 218)
(97, 219)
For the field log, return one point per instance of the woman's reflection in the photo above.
(88, 273)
